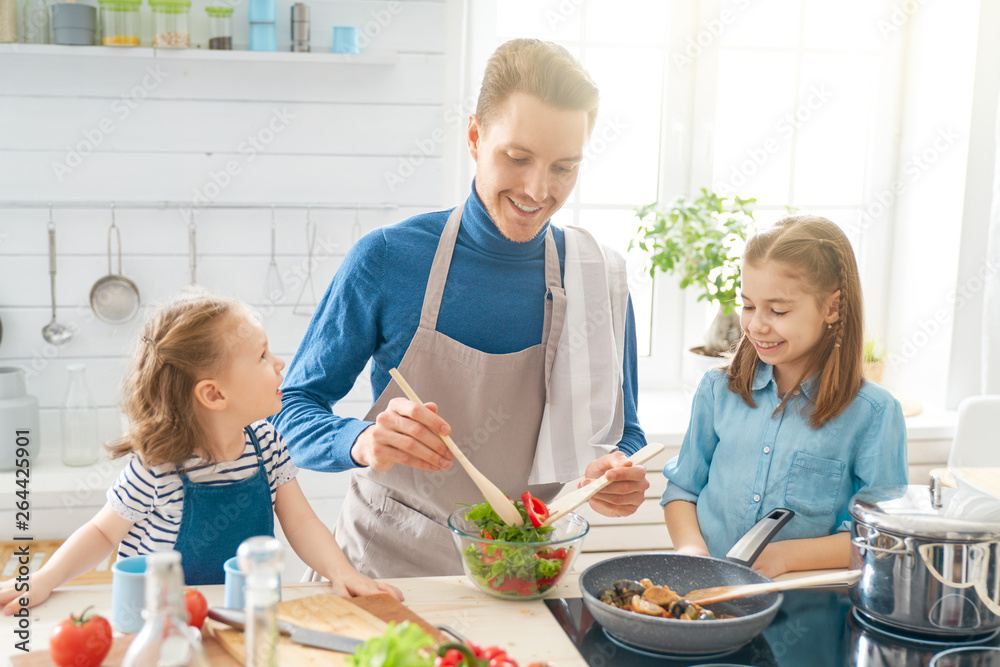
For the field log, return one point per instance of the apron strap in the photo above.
(256, 449)
(439, 270)
(555, 307)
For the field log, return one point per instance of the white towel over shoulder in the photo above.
(585, 414)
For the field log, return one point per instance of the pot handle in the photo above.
(745, 551)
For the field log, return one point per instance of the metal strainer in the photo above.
(114, 298)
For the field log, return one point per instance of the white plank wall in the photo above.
(325, 133)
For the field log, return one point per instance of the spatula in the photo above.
(500, 503)
(563, 506)
(705, 596)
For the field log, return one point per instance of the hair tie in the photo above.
(152, 344)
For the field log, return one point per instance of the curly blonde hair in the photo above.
(182, 343)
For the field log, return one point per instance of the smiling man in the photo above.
(520, 332)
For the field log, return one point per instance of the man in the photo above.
(536, 380)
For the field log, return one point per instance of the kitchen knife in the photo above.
(326, 640)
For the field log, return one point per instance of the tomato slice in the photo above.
(536, 508)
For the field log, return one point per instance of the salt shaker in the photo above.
(166, 640)
(300, 27)
(260, 558)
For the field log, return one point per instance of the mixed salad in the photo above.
(509, 568)
(406, 645)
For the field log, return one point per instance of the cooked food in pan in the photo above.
(643, 597)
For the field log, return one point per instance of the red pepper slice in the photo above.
(537, 511)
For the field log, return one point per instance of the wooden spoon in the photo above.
(705, 596)
(563, 506)
(500, 503)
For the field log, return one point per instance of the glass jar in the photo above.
(170, 23)
(35, 22)
(80, 443)
(120, 22)
(8, 20)
(220, 28)
(18, 417)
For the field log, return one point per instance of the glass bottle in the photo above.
(165, 640)
(260, 559)
(80, 443)
(35, 22)
(8, 20)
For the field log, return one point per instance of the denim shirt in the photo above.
(739, 463)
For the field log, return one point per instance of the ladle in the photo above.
(54, 332)
(500, 503)
(274, 287)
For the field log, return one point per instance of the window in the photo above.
(789, 101)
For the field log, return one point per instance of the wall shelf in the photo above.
(370, 57)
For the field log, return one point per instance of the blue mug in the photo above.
(345, 39)
(235, 598)
(128, 593)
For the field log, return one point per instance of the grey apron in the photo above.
(394, 523)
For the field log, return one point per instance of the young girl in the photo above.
(206, 470)
(791, 422)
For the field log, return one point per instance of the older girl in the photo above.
(790, 422)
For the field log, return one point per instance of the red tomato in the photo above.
(492, 652)
(197, 607)
(80, 641)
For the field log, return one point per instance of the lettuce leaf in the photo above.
(399, 646)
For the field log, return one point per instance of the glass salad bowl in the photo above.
(523, 566)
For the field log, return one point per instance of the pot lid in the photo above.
(961, 515)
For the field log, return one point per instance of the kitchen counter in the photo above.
(526, 629)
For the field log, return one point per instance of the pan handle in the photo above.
(745, 551)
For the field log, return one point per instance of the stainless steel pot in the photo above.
(928, 557)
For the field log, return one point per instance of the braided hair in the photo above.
(816, 252)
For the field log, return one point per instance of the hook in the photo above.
(112, 215)
(52, 223)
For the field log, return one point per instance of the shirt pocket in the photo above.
(813, 484)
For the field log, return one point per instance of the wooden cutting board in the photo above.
(371, 610)
(360, 618)
(987, 479)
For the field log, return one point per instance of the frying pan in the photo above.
(684, 573)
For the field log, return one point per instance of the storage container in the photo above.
(18, 418)
(170, 23)
(73, 23)
(120, 22)
(220, 28)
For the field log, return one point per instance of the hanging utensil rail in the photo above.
(195, 207)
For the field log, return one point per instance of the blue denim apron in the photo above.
(217, 517)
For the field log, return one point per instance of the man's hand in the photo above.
(405, 433)
(627, 489)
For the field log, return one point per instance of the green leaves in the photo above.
(698, 240)
(399, 646)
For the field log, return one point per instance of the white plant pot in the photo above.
(695, 365)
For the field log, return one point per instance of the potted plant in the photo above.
(700, 240)
(873, 364)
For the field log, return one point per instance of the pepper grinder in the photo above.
(260, 559)
(300, 27)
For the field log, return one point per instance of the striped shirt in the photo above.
(154, 498)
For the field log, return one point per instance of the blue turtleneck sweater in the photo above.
(493, 301)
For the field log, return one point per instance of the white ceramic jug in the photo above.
(18, 416)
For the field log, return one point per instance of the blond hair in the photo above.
(816, 252)
(181, 344)
(542, 69)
